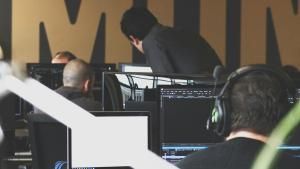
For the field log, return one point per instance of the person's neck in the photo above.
(247, 134)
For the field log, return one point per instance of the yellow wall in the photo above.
(80, 37)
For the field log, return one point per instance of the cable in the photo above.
(131, 83)
(218, 70)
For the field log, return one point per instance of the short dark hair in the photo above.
(258, 101)
(137, 22)
(76, 72)
(67, 54)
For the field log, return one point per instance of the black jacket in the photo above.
(168, 50)
(77, 97)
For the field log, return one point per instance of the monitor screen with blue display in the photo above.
(184, 111)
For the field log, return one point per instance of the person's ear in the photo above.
(134, 40)
(137, 43)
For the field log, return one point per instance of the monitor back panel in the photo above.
(48, 139)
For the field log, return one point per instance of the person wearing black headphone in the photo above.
(250, 105)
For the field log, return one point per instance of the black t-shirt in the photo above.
(238, 153)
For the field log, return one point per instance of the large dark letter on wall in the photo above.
(233, 33)
(5, 27)
(137, 56)
(73, 7)
(186, 15)
(295, 6)
(99, 45)
(45, 52)
(273, 55)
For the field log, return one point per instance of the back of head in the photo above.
(63, 57)
(137, 22)
(76, 72)
(258, 101)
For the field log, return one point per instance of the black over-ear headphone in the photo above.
(220, 119)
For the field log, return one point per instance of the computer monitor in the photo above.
(51, 75)
(128, 67)
(142, 81)
(48, 141)
(48, 74)
(117, 130)
(184, 111)
(152, 107)
(139, 80)
(135, 80)
(52, 142)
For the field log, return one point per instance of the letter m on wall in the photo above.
(83, 35)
